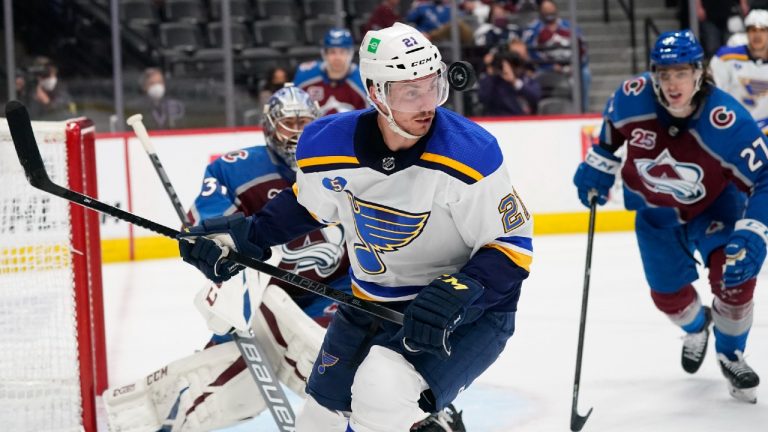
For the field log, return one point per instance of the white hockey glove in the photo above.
(225, 307)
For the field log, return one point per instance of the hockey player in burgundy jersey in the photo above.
(334, 82)
(696, 173)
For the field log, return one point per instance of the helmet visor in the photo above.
(419, 95)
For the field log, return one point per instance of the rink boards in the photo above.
(541, 154)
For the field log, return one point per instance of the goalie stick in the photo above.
(261, 370)
(577, 421)
(29, 156)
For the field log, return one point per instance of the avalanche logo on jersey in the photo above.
(382, 229)
(755, 89)
(323, 254)
(666, 175)
(721, 117)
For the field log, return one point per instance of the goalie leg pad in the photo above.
(317, 418)
(207, 390)
(385, 393)
(290, 339)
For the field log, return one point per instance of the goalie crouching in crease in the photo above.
(212, 389)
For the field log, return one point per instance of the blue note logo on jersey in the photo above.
(382, 229)
(326, 361)
(666, 175)
(755, 88)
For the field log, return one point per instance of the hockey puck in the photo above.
(461, 75)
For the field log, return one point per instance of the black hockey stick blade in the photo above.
(29, 156)
(577, 421)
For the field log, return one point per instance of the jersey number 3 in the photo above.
(511, 215)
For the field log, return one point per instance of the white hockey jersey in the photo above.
(415, 214)
(745, 78)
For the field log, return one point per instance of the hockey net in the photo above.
(52, 356)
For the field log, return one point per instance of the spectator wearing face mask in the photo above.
(48, 99)
(549, 43)
(165, 112)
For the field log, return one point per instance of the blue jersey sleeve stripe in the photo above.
(521, 242)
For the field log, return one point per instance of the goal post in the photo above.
(52, 343)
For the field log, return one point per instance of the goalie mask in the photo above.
(405, 70)
(286, 114)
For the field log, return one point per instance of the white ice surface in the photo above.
(631, 369)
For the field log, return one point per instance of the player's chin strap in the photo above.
(391, 120)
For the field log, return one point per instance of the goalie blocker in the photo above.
(211, 388)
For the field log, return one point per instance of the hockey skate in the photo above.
(742, 380)
(447, 420)
(695, 345)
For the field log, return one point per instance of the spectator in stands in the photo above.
(165, 112)
(713, 18)
(496, 30)
(508, 90)
(385, 14)
(334, 82)
(274, 80)
(549, 43)
(48, 99)
(433, 18)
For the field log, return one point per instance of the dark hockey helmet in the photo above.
(285, 115)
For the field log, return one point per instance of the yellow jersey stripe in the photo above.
(522, 260)
(453, 164)
(734, 57)
(359, 293)
(327, 160)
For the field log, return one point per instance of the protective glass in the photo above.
(419, 95)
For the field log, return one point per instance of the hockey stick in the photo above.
(258, 365)
(29, 156)
(577, 421)
(135, 122)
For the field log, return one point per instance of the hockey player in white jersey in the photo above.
(437, 232)
(211, 388)
(742, 70)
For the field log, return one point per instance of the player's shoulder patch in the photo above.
(739, 53)
(634, 98)
(635, 86)
(461, 148)
(328, 143)
(722, 111)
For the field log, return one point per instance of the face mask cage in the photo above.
(285, 119)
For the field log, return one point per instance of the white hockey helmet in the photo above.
(756, 18)
(401, 53)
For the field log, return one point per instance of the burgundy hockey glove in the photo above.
(437, 310)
